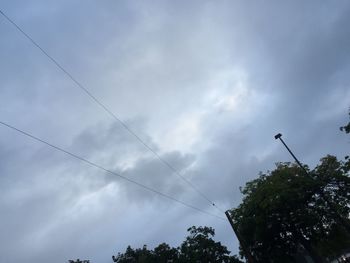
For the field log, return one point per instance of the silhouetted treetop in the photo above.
(198, 247)
(286, 211)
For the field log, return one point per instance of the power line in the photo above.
(116, 118)
(106, 170)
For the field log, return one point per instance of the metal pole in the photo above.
(333, 209)
(279, 136)
(248, 256)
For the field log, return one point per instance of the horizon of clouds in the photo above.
(207, 85)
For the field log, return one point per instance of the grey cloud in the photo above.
(155, 64)
(154, 174)
(112, 146)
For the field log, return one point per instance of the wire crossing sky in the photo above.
(104, 107)
(107, 170)
(204, 84)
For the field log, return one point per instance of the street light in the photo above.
(332, 207)
(279, 136)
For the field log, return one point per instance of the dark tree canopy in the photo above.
(287, 211)
(346, 128)
(198, 247)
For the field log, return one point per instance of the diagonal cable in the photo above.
(107, 170)
(115, 117)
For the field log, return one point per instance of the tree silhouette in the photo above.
(198, 247)
(346, 128)
(287, 211)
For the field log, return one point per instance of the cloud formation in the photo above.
(206, 85)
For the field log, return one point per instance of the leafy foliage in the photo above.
(141, 255)
(346, 128)
(286, 210)
(198, 247)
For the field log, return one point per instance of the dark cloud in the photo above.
(206, 85)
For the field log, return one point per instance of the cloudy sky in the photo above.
(205, 84)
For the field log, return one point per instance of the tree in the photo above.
(163, 253)
(286, 212)
(140, 255)
(198, 247)
(346, 128)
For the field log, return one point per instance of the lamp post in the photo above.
(279, 136)
(247, 254)
(340, 219)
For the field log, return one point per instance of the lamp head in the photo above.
(277, 136)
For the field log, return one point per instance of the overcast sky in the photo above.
(206, 84)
